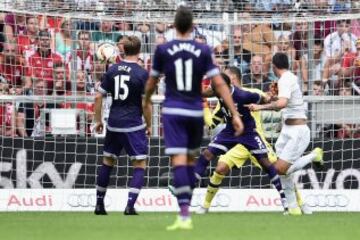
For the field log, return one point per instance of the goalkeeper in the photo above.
(238, 155)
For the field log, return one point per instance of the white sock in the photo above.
(287, 183)
(301, 162)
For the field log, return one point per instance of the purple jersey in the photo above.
(184, 63)
(125, 82)
(242, 97)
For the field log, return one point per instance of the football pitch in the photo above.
(151, 226)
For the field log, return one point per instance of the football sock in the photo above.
(102, 183)
(275, 180)
(212, 188)
(136, 184)
(192, 177)
(299, 200)
(182, 190)
(289, 190)
(201, 165)
(301, 162)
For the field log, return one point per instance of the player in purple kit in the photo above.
(125, 129)
(184, 63)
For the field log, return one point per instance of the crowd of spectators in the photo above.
(55, 56)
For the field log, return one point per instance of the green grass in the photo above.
(151, 226)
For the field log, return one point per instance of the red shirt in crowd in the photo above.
(42, 67)
(12, 74)
(84, 61)
(352, 59)
(25, 43)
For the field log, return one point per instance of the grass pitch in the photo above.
(151, 226)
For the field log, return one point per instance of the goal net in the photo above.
(49, 73)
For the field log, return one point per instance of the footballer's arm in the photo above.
(98, 109)
(274, 105)
(147, 105)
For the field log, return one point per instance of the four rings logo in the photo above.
(85, 200)
(327, 200)
(220, 200)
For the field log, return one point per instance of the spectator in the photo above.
(63, 41)
(105, 33)
(299, 39)
(41, 61)
(283, 46)
(29, 118)
(351, 65)
(7, 112)
(84, 53)
(355, 27)
(62, 84)
(257, 78)
(11, 69)
(15, 24)
(258, 39)
(242, 57)
(84, 107)
(336, 45)
(317, 88)
(317, 66)
(334, 42)
(28, 42)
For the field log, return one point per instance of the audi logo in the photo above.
(327, 200)
(85, 200)
(220, 200)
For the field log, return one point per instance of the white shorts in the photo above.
(292, 142)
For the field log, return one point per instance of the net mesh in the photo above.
(40, 149)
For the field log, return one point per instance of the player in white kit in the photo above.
(295, 134)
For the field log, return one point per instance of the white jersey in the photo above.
(289, 88)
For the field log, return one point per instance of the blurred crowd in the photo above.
(56, 56)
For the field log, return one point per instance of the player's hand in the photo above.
(148, 131)
(99, 127)
(253, 107)
(238, 125)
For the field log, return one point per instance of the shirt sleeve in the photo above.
(284, 88)
(251, 97)
(157, 64)
(210, 67)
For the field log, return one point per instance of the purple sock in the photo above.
(136, 184)
(102, 183)
(183, 190)
(275, 180)
(192, 177)
(201, 165)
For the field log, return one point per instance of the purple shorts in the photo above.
(226, 140)
(183, 135)
(134, 143)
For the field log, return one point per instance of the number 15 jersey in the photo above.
(125, 82)
(184, 63)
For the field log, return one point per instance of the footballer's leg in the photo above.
(136, 145)
(102, 183)
(235, 156)
(183, 137)
(254, 143)
(112, 149)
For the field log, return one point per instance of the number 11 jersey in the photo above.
(184, 63)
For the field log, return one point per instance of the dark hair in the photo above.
(44, 33)
(58, 65)
(236, 71)
(183, 19)
(347, 21)
(319, 42)
(132, 46)
(281, 61)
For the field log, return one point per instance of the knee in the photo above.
(108, 161)
(222, 169)
(139, 164)
(208, 155)
(280, 168)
